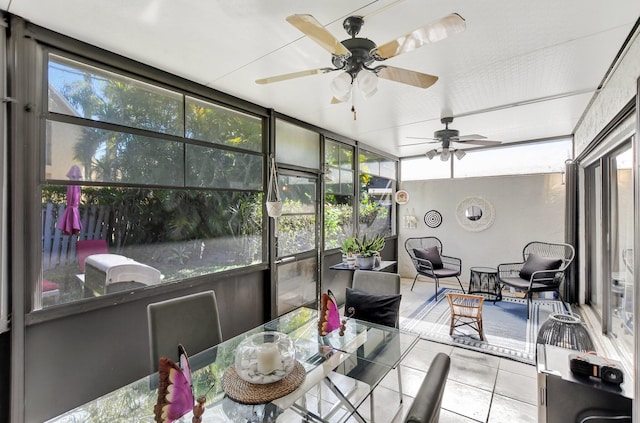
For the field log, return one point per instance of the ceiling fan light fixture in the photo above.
(367, 82)
(459, 154)
(431, 154)
(445, 155)
(341, 85)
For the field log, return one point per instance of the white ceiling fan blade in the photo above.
(430, 33)
(480, 142)
(422, 138)
(409, 77)
(309, 26)
(420, 143)
(292, 75)
(471, 137)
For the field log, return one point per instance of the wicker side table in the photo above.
(484, 280)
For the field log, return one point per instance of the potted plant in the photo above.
(349, 248)
(368, 251)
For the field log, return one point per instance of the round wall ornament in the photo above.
(402, 197)
(432, 218)
(475, 214)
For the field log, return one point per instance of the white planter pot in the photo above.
(366, 262)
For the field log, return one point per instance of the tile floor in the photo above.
(480, 387)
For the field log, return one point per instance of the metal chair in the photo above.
(428, 401)
(191, 320)
(428, 260)
(377, 283)
(543, 269)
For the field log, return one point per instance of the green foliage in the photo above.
(169, 229)
(338, 222)
(370, 247)
(349, 246)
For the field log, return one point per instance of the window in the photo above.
(526, 158)
(377, 187)
(166, 180)
(421, 169)
(339, 194)
(538, 157)
(296, 145)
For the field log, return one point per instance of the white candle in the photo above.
(268, 358)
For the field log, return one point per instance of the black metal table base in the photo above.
(484, 280)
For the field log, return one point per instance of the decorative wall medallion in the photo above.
(402, 197)
(433, 218)
(475, 214)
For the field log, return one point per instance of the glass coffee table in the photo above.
(484, 280)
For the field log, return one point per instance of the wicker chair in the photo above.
(448, 267)
(543, 269)
(466, 310)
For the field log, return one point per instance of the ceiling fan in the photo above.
(356, 56)
(448, 136)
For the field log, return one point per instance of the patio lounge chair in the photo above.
(543, 269)
(426, 255)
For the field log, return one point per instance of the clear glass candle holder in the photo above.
(265, 357)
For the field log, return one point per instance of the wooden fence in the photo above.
(60, 249)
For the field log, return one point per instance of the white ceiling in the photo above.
(522, 70)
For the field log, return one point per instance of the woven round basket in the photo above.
(250, 393)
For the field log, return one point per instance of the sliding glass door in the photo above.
(610, 238)
(621, 251)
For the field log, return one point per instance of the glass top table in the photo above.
(381, 267)
(341, 373)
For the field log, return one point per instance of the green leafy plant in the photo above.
(370, 247)
(349, 246)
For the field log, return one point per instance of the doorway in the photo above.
(296, 241)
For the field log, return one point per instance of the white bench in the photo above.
(102, 271)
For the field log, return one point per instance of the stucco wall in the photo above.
(527, 208)
(617, 91)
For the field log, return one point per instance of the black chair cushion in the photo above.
(380, 309)
(430, 254)
(535, 263)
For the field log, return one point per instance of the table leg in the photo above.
(344, 400)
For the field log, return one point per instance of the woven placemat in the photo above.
(252, 393)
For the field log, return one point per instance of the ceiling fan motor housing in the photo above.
(446, 133)
(360, 49)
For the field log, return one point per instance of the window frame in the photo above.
(4, 176)
(129, 69)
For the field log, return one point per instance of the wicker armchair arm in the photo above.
(509, 270)
(547, 277)
(422, 264)
(451, 262)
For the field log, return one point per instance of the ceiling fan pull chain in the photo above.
(353, 102)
